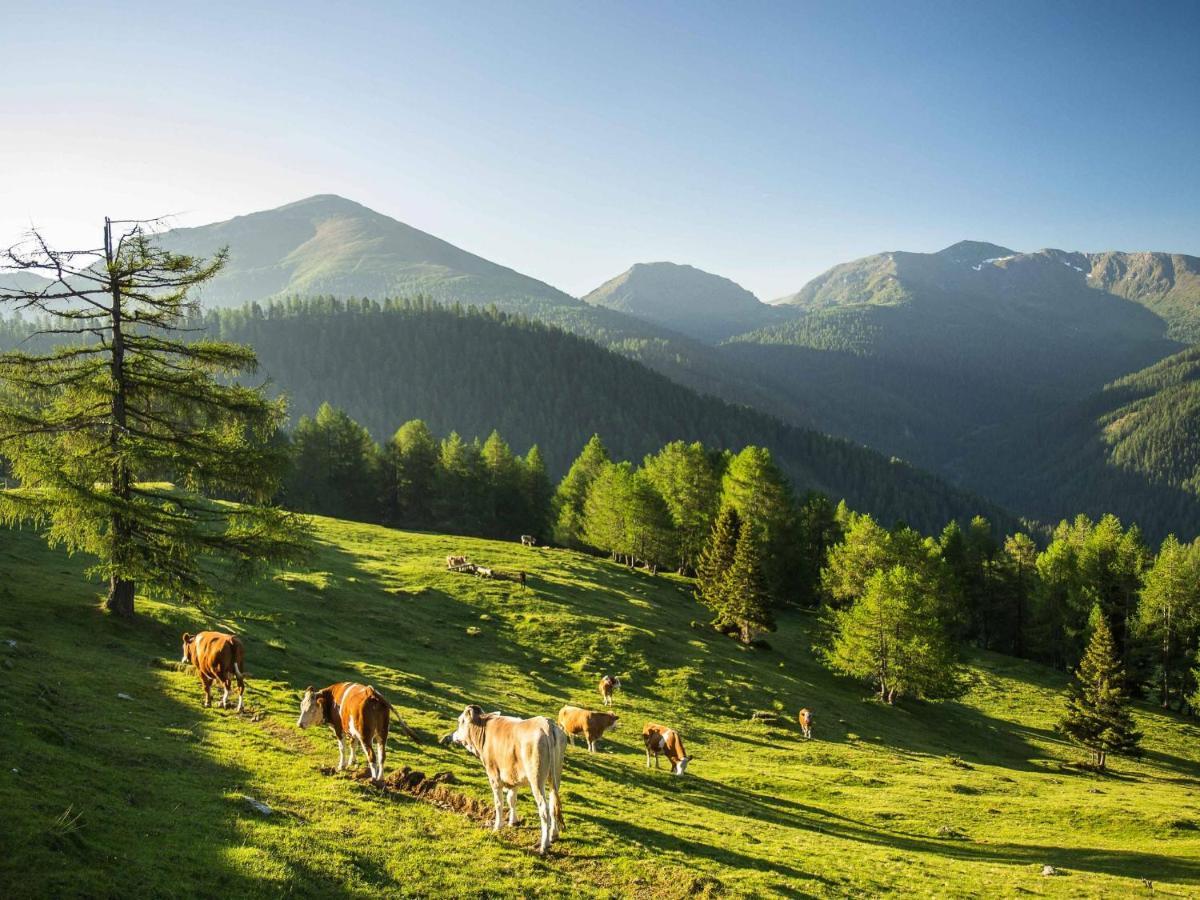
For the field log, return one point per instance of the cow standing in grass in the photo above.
(586, 723)
(608, 684)
(806, 720)
(664, 741)
(515, 752)
(217, 657)
(354, 712)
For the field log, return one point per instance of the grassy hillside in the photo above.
(105, 796)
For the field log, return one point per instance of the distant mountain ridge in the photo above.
(686, 299)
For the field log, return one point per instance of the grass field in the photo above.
(104, 796)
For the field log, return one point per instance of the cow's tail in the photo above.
(404, 726)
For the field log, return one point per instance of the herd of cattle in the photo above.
(513, 751)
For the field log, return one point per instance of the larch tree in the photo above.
(893, 637)
(1170, 609)
(686, 477)
(572, 492)
(1098, 716)
(132, 397)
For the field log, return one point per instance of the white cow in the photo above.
(515, 752)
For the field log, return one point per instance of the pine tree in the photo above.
(335, 469)
(717, 557)
(130, 400)
(572, 492)
(536, 487)
(742, 599)
(686, 477)
(760, 492)
(1098, 715)
(411, 461)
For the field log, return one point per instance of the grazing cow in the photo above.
(515, 752)
(528, 540)
(806, 720)
(355, 712)
(521, 578)
(591, 725)
(217, 657)
(608, 684)
(660, 739)
(484, 572)
(453, 562)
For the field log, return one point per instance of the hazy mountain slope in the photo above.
(475, 371)
(685, 299)
(1132, 448)
(329, 245)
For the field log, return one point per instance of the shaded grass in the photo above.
(146, 796)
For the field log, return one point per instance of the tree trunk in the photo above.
(120, 597)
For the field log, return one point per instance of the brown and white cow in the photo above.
(354, 712)
(666, 741)
(453, 562)
(591, 725)
(515, 752)
(217, 657)
(608, 684)
(806, 719)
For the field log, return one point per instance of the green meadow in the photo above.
(107, 796)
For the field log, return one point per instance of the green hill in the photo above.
(107, 796)
(475, 371)
(685, 299)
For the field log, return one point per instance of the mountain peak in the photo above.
(683, 298)
(974, 251)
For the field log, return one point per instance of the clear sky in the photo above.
(764, 142)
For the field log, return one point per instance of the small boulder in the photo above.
(257, 805)
(124, 697)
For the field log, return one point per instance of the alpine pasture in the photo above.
(148, 794)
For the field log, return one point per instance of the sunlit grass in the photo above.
(964, 798)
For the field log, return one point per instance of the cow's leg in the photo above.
(380, 756)
(647, 759)
(510, 795)
(543, 808)
(207, 682)
(496, 803)
(367, 753)
(341, 754)
(225, 695)
(350, 751)
(555, 798)
(591, 746)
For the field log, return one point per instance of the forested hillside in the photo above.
(473, 371)
(1133, 447)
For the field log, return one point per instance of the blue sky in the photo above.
(764, 142)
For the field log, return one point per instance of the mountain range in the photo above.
(1041, 380)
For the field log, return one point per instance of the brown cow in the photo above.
(591, 725)
(660, 739)
(217, 657)
(354, 712)
(453, 562)
(515, 752)
(806, 720)
(608, 684)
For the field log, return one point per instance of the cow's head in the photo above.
(188, 641)
(681, 766)
(471, 729)
(612, 725)
(312, 707)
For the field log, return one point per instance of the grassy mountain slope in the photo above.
(1166, 283)
(330, 245)
(144, 797)
(685, 299)
(473, 372)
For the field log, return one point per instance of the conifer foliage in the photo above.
(1098, 715)
(91, 427)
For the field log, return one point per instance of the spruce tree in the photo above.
(742, 597)
(1098, 715)
(537, 493)
(717, 557)
(93, 427)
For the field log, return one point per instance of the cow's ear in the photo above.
(187, 637)
(474, 714)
